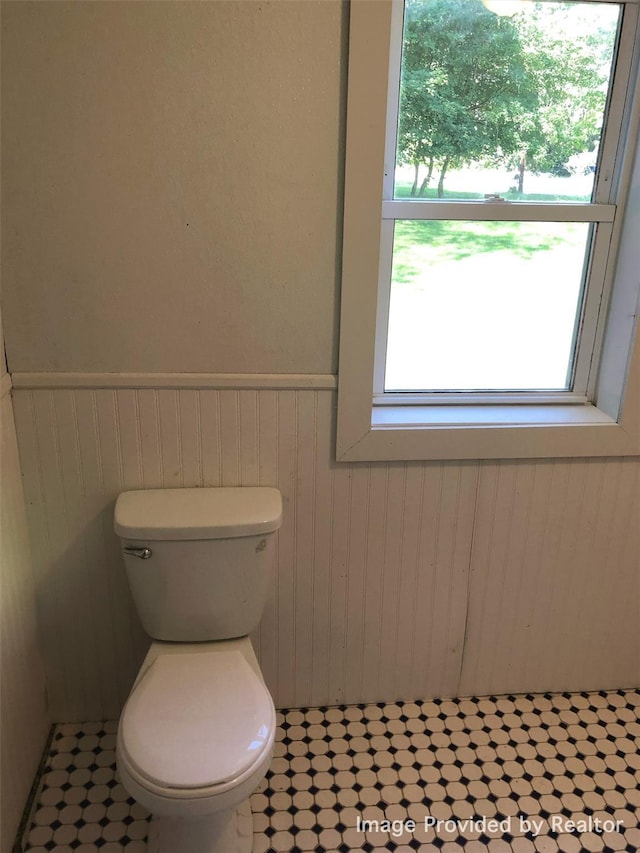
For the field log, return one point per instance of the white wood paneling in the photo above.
(555, 578)
(372, 596)
(23, 715)
(369, 593)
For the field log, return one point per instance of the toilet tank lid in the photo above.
(207, 513)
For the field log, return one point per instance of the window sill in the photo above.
(478, 416)
(489, 432)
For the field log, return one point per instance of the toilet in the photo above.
(196, 734)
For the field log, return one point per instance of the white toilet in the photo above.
(196, 734)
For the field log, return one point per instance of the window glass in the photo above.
(484, 306)
(503, 97)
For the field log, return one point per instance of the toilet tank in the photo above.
(198, 561)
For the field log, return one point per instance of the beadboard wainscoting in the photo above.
(24, 724)
(393, 580)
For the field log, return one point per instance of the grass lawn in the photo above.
(403, 191)
(419, 244)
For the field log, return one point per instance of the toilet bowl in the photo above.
(194, 741)
(196, 734)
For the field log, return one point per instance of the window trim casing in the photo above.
(608, 427)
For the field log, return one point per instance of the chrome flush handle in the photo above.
(142, 553)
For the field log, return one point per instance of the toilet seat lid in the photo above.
(197, 720)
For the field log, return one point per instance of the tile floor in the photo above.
(525, 774)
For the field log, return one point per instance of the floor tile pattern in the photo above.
(512, 774)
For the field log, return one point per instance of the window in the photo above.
(489, 186)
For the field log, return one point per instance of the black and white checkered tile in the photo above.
(525, 774)
(80, 804)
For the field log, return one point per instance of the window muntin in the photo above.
(573, 344)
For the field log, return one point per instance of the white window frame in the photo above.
(601, 417)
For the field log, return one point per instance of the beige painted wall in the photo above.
(125, 121)
(171, 185)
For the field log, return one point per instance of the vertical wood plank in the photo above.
(169, 439)
(391, 569)
(266, 637)
(321, 557)
(304, 566)
(408, 616)
(374, 579)
(189, 438)
(230, 447)
(248, 437)
(209, 429)
(355, 606)
(286, 426)
(149, 435)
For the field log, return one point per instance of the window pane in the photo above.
(503, 96)
(484, 306)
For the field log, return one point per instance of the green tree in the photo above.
(568, 53)
(464, 87)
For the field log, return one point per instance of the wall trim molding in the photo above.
(5, 385)
(192, 381)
